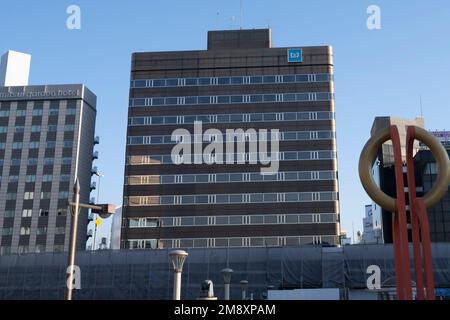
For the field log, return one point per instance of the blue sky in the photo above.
(378, 72)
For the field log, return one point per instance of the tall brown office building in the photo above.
(239, 82)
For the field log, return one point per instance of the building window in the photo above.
(35, 128)
(47, 178)
(63, 195)
(48, 161)
(46, 195)
(58, 248)
(40, 248)
(28, 196)
(32, 161)
(34, 145)
(15, 162)
(5, 250)
(17, 145)
(68, 144)
(7, 231)
(21, 113)
(11, 196)
(60, 230)
(30, 178)
(13, 179)
(43, 213)
(37, 112)
(24, 231)
(51, 144)
(9, 213)
(62, 212)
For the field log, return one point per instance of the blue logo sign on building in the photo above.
(295, 55)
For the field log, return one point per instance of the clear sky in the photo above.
(377, 72)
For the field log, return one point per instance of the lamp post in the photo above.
(226, 274)
(177, 257)
(73, 239)
(244, 286)
(104, 210)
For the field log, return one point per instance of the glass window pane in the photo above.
(301, 78)
(269, 79)
(256, 79)
(237, 80)
(171, 82)
(288, 78)
(223, 80)
(256, 98)
(191, 82)
(204, 81)
(236, 99)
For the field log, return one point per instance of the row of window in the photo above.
(45, 178)
(154, 222)
(24, 231)
(30, 195)
(236, 80)
(232, 99)
(248, 136)
(235, 198)
(231, 118)
(230, 177)
(40, 248)
(35, 144)
(37, 128)
(232, 242)
(26, 213)
(37, 112)
(231, 157)
(34, 162)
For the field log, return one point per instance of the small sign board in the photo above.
(294, 55)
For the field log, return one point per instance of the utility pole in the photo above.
(73, 238)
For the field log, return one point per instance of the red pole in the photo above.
(426, 243)
(411, 132)
(403, 245)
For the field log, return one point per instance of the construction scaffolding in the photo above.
(147, 274)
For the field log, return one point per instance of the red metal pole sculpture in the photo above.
(423, 265)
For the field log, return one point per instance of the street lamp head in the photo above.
(226, 274)
(244, 285)
(178, 257)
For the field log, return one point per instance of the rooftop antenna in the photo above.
(242, 14)
(217, 20)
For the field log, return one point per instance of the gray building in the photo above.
(46, 141)
(222, 199)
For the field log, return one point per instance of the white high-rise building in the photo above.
(14, 69)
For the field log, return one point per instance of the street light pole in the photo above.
(244, 285)
(226, 274)
(178, 257)
(73, 239)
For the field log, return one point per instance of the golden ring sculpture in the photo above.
(367, 159)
